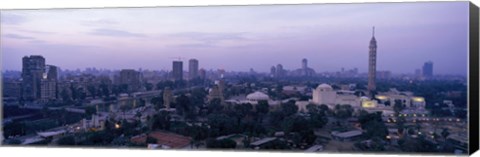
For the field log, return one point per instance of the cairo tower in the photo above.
(372, 64)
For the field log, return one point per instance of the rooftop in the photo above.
(315, 148)
(348, 134)
(263, 141)
(172, 140)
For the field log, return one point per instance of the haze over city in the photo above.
(242, 37)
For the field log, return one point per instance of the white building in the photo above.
(257, 96)
(324, 94)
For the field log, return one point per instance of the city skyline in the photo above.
(320, 38)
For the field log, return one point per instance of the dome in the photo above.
(324, 87)
(363, 98)
(256, 96)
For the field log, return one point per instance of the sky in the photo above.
(330, 36)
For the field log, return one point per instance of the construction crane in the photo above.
(178, 58)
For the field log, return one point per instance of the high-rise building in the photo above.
(384, 75)
(167, 97)
(428, 69)
(131, 78)
(305, 70)
(279, 71)
(372, 64)
(273, 71)
(304, 63)
(216, 93)
(418, 73)
(192, 68)
(49, 83)
(33, 68)
(202, 74)
(177, 70)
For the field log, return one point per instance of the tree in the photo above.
(105, 90)
(138, 115)
(198, 96)
(242, 110)
(296, 123)
(157, 102)
(262, 109)
(90, 110)
(398, 107)
(215, 106)
(318, 116)
(289, 108)
(221, 144)
(400, 125)
(14, 128)
(151, 140)
(44, 111)
(373, 124)
(275, 117)
(183, 105)
(124, 108)
(343, 111)
(312, 108)
(141, 102)
(318, 120)
(220, 124)
(92, 90)
(445, 133)
(66, 141)
(148, 86)
(160, 120)
(65, 96)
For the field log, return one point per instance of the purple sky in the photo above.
(330, 36)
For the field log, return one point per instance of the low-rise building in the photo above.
(347, 136)
(165, 140)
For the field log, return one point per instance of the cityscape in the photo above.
(189, 106)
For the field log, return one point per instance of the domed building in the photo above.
(324, 94)
(257, 96)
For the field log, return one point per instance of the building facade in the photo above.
(33, 68)
(427, 71)
(131, 78)
(177, 70)
(192, 69)
(49, 83)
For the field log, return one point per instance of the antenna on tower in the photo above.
(373, 33)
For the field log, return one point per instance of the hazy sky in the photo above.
(330, 36)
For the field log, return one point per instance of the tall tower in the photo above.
(192, 68)
(372, 64)
(304, 63)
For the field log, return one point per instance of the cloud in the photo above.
(12, 19)
(99, 22)
(201, 45)
(35, 32)
(16, 36)
(115, 33)
(209, 38)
